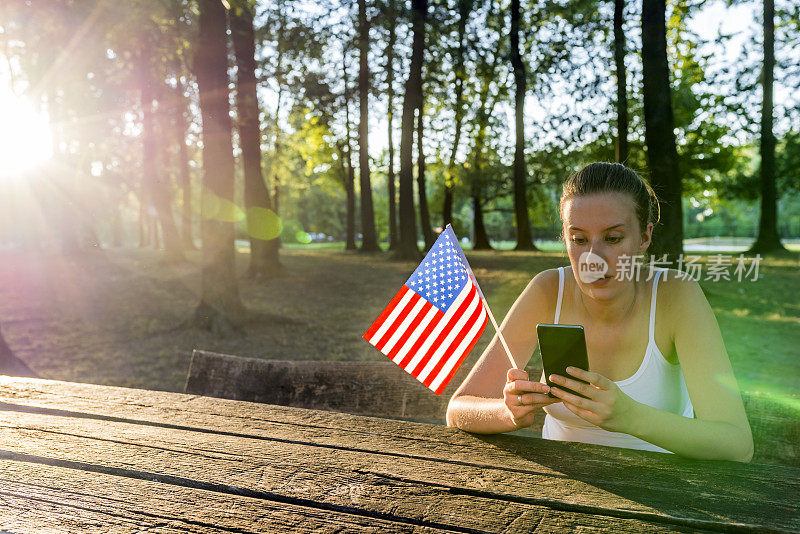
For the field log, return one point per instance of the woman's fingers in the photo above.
(516, 374)
(575, 385)
(580, 402)
(527, 386)
(533, 399)
(595, 379)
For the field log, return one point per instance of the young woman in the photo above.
(659, 375)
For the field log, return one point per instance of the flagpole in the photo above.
(499, 334)
(449, 230)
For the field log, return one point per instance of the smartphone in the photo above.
(562, 346)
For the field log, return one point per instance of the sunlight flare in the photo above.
(26, 140)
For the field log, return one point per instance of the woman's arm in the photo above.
(721, 430)
(486, 402)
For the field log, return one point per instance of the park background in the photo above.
(260, 178)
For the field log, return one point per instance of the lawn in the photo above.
(113, 317)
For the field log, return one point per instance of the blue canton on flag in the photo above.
(441, 275)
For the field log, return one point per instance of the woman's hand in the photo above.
(523, 397)
(607, 406)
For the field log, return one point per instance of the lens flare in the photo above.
(26, 140)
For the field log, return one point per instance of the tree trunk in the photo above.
(480, 239)
(662, 154)
(464, 9)
(153, 174)
(276, 195)
(349, 180)
(163, 184)
(524, 241)
(220, 306)
(392, 41)
(262, 222)
(768, 239)
(180, 127)
(64, 219)
(622, 93)
(370, 240)
(144, 215)
(117, 227)
(424, 214)
(11, 365)
(407, 248)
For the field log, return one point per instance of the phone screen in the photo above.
(562, 346)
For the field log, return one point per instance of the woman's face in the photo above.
(600, 229)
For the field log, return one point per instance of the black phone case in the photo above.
(562, 346)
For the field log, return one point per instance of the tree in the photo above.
(391, 42)
(524, 241)
(154, 175)
(407, 248)
(422, 193)
(180, 126)
(346, 153)
(370, 239)
(767, 239)
(622, 93)
(464, 9)
(492, 87)
(220, 306)
(263, 225)
(662, 154)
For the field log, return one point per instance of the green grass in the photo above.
(113, 317)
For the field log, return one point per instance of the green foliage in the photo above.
(705, 143)
(302, 51)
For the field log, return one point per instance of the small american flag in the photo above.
(432, 323)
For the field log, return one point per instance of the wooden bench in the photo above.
(379, 389)
(382, 389)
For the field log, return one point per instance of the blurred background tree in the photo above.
(499, 102)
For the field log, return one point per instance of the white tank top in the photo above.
(656, 383)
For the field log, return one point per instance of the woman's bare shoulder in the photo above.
(546, 282)
(676, 283)
(680, 296)
(542, 292)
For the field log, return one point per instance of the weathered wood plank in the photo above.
(383, 389)
(327, 428)
(132, 499)
(379, 389)
(775, 423)
(40, 498)
(657, 495)
(366, 388)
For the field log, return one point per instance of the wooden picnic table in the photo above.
(81, 457)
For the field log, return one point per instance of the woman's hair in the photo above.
(596, 178)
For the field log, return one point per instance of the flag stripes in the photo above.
(423, 340)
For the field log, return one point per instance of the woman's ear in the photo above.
(647, 237)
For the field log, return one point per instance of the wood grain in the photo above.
(379, 389)
(309, 484)
(64, 499)
(170, 434)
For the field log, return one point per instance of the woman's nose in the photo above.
(597, 247)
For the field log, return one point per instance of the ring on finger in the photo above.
(519, 399)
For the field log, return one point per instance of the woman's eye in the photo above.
(614, 239)
(578, 240)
